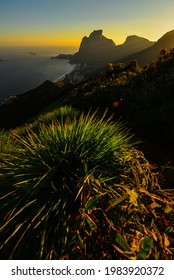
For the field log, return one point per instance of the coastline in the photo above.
(63, 76)
(8, 99)
(21, 72)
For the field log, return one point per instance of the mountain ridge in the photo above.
(97, 50)
(150, 54)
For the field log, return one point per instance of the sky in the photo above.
(65, 22)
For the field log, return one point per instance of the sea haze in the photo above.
(22, 69)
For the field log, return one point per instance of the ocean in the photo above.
(22, 69)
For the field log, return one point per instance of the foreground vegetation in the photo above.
(74, 186)
(73, 181)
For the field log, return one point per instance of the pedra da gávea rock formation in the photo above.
(94, 49)
(98, 50)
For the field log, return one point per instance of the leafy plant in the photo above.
(42, 179)
(78, 189)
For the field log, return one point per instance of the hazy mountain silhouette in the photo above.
(150, 54)
(94, 49)
(133, 44)
(99, 50)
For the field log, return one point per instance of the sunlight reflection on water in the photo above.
(20, 70)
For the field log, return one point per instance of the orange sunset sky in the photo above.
(64, 23)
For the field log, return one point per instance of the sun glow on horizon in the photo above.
(39, 39)
(73, 39)
(41, 22)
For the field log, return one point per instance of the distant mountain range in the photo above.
(97, 50)
(150, 54)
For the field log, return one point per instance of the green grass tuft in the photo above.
(78, 189)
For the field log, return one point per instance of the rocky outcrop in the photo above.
(94, 49)
(98, 50)
(95, 41)
(63, 56)
(136, 43)
(132, 44)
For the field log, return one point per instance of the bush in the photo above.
(78, 189)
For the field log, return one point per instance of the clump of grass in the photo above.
(60, 114)
(78, 189)
(7, 141)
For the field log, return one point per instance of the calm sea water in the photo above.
(21, 71)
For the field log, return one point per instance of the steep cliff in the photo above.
(98, 50)
(94, 49)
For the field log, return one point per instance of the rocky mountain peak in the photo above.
(95, 39)
(167, 40)
(96, 34)
(94, 49)
(134, 39)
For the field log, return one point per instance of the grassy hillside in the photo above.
(142, 98)
(66, 174)
(76, 166)
(146, 97)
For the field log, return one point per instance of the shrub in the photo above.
(78, 189)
